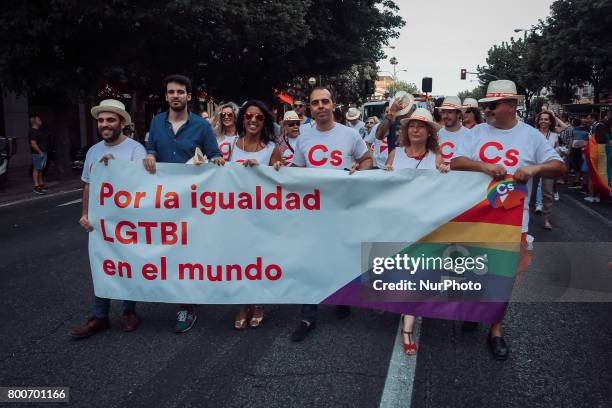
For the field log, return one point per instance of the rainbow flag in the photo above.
(492, 228)
(597, 155)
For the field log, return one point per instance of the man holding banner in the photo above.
(505, 146)
(173, 137)
(112, 118)
(329, 145)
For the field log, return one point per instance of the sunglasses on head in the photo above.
(294, 123)
(258, 116)
(227, 115)
(298, 105)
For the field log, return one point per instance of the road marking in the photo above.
(42, 197)
(78, 200)
(591, 211)
(401, 373)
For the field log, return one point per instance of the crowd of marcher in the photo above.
(484, 136)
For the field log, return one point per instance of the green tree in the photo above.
(576, 45)
(476, 93)
(406, 87)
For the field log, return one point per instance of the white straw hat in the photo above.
(290, 116)
(501, 89)
(406, 101)
(470, 103)
(451, 103)
(111, 105)
(423, 115)
(352, 114)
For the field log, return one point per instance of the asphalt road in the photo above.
(561, 353)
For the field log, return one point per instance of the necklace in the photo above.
(248, 149)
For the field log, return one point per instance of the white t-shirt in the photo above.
(552, 139)
(449, 142)
(359, 127)
(403, 161)
(128, 150)
(371, 137)
(288, 154)
(225, 145)
(338, 148)
(513, 148)
(262, 156)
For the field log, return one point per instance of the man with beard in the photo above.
(173, 137)
(112, 118)
(328, 145)
(505, 146)
(451, 135)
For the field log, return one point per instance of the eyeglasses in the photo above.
(298, 105)
(258, 116)
(292, 124)
(369, 123)
(323, 101)
(227, 115)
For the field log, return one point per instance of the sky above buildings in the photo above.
(441, 37)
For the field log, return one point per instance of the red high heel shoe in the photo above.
(410, 347)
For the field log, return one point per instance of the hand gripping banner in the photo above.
(235, 235)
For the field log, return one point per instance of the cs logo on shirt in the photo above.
(451, 148)
(506, 193)
(317, 156)
(493, 152)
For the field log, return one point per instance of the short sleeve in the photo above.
(298, 156)
(544, 152)
(467, 146)
(359, 148)
(139, 152)
(85, 175)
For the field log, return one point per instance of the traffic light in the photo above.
(463, 73)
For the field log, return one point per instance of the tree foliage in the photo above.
(406, 86)
(476, 93)
(231, 48)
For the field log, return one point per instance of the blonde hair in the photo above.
(374, 119)
(218, 124)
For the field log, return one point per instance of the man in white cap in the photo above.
(471, 113)
(112, 118)
(504, 146)
(289, 136)
(401, 106)
(328, 145)
(353, 121)
(451, 135)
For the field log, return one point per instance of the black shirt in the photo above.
(392, 137)
(40, 138)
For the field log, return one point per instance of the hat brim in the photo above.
(497, 98)
(451, 108)
(405, 110)
(352, 117)
(434, 125)
(95, 111)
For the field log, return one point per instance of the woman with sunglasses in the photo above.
(289, 135)
(418, 149)
(254, 146)
(225, 127)
(471, 115)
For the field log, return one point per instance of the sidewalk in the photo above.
(19, 185)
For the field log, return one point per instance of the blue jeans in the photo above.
(308, 313)
(539, 194)
(102, 307)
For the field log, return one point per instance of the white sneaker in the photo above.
(591, 199)
(538, 209)
(556, 196)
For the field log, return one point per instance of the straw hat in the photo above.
(111, 105)
(501, 89)
(290, 116)
(352, 114)
(451, 103)
(405, 100)
(470, 103)
(423, 115)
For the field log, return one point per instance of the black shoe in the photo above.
(469, 326)
(39, 191)
(498, 347)
(343, 311)
(302, 330)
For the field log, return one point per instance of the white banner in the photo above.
(235, 235)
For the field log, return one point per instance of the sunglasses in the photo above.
(492, 105)
(227, 115)
(298, 105)
(292, 124)
(369, 123)
(258, 116)
(323, 101)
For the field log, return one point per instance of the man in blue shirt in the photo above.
(173, 138)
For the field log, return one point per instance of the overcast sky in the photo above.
(441, 37)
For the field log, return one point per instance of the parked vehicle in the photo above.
(8, 147)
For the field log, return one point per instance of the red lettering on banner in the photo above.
(130, 237)
(106, 191)
(108, 267)
(122, 269)
(103, 229)
(256, 271)
(126, 232)
(451, 153)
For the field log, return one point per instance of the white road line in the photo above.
(42, 197)
(591, 211)
(400, 376)
(78, 200)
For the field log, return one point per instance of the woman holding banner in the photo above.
(254, 146)
(418, 149)
(225, 127)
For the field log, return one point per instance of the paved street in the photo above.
(560, 352)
